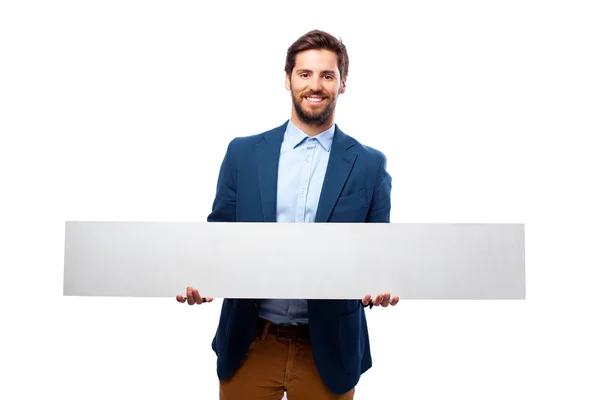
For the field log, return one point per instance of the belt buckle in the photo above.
(282, 332)
(288, 332)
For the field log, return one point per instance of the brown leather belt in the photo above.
(285, 332)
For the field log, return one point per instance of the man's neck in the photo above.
(309, 129)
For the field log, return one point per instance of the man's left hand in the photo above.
(383, 300)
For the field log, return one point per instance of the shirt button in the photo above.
(303, 191)
(291, 316)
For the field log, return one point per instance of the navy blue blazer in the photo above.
(356, 189)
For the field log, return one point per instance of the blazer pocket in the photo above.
(352, 208)
(358, 199)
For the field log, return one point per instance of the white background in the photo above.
(122, 110)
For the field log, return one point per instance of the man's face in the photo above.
(315, 83)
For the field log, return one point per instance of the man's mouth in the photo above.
(314, 99)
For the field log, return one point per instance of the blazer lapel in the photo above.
(267, 160)
(341, 161)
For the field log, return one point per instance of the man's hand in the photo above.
(193, 297)
(383, 300)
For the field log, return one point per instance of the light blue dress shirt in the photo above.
(302, 164)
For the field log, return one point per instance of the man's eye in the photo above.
(328, 77)
(304, 75)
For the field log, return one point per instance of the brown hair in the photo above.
(318, 40)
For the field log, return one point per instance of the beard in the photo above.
(313, 117)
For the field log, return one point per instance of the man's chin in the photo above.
(315, 112)
(316, 120)
(313, 116)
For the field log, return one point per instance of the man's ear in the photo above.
(287, 83)
(343, 86)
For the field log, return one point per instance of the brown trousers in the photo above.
(275, 366)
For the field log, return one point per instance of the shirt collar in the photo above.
(293, 137)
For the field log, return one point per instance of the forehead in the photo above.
(317, 60)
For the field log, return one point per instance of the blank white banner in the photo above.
(308, 261)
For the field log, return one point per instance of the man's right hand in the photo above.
(192, 297)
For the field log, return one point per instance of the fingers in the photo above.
(197, 297)
(378, 300)
(385, 300)
(192, 296)
(366, 299)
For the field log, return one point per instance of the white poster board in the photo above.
(309, 261)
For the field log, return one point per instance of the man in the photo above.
(306, 170)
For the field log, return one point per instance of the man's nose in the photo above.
(315, 84)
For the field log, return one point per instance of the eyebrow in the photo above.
(301, 71)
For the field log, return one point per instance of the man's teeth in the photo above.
(314, 99)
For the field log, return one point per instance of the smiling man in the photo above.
(306, 170)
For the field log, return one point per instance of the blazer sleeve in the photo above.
(381, 203)
(224, 205)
